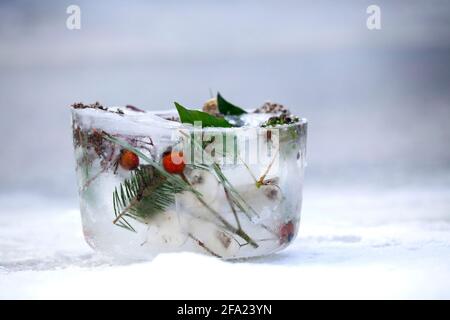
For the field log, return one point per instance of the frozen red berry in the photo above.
(128, 160)
(287, 231)
(174, 162)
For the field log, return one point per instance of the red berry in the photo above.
(128, 160)
(287, 232)
(173, 162)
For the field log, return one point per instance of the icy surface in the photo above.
(351, 245)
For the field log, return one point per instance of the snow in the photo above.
(354, 244)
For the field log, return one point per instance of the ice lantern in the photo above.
(149, 184)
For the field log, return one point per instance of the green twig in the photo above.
(226, 224)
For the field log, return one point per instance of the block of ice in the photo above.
(150, 184)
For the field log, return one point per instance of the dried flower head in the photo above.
(270, 107)
(211, 107)
(280, 120)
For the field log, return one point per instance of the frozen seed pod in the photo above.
(212, 238)
(270, 107)
(205, 183)
(211, 107)
(263, 198)
(271, 192)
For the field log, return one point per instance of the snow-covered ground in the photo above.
(354, 244)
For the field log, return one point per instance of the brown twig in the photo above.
(124, 211)
(201, 244)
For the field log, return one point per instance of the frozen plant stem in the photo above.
(233, 209)
(124, 211)
(201, 244)
(238, 231)
(247, 167)
(87, 183)
(233, 191)
(260, 182)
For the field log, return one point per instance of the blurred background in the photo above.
(378, 101)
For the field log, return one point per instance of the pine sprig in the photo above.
(143, 195)
(134, 199)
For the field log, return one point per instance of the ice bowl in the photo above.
(149, 184)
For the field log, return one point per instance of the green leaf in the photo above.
(227, 108)
(207, 120)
